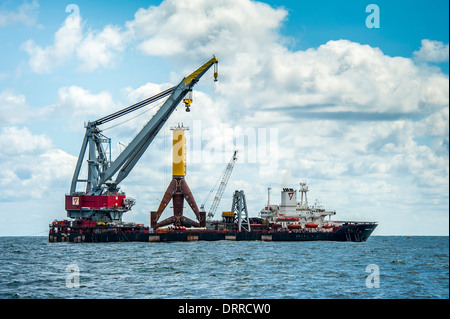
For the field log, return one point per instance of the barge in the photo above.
(292, 220)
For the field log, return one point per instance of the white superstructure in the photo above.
(292, 211)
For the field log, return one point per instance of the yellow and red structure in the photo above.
(178, 189)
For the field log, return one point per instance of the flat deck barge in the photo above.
(348, 231)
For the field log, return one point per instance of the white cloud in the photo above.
(307, 90)
(202, 28)
(369, 131)
(99, 49)
(432, 51)
(67, 39)
(93, 49)
(32, 177)
(26, 14)
(257, 71)
(436, 124)
(31, 166)
(13, 108)
(15, 141)
(81, 103)
(339, 76)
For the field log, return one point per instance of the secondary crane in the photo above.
(223, 184)
(102, 201)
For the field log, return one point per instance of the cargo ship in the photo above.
(291, 220)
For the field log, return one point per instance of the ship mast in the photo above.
(304, 191)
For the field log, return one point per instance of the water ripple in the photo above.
(30, 267)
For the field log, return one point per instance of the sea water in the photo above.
(387, 267)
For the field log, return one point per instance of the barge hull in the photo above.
(354, 233)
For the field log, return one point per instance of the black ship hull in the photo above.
(354, 232)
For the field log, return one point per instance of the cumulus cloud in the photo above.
(436, 124)
(66, 40)
(432, 51)
(16, 141)
(202, 28)
(263, 83)
(93, 49)
(345, 112)
(350, 118)
(31, 166)
(79, 102)
(14, 108)
(99, 49)
(26, 14)
(348, 76)
(259, 72)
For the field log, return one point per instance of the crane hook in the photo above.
(188, 100)
(216, 71)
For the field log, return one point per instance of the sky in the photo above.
(351, 98)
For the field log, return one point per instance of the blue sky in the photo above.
(360, 113)
(403, 24)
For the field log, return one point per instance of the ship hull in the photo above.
(358, 232)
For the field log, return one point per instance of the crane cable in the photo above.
(132, 118)
(134, 107)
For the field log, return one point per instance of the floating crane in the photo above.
(223, 184)
(102, 201)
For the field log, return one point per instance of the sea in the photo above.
(383, 267)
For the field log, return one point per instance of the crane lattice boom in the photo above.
(223, 184)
